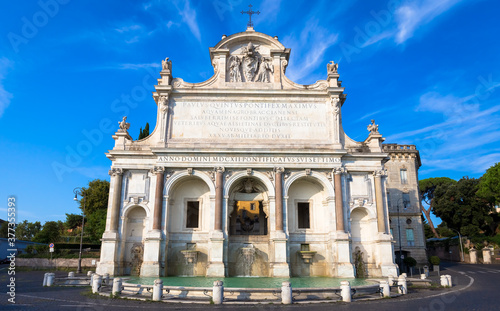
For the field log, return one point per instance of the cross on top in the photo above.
(250, 12)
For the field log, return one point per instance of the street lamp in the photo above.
(461, 247)
(78, 191)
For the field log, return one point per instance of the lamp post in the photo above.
(78, 191)
(399, 235)
(461, 247)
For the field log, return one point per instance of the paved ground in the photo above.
(476, 287)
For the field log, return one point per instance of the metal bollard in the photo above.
(96, 283)
(105, 279)
(117, 286)
(405, 275)
(89, 273)
(91, 278)
(71, 275)
(218, 292)
(345, 292)
(157, 290)
(286, 293)
(385, 289)
(402, 289)
(423, 276)
(426, 271)
(45, 279)
(448, 277)
(50, 279)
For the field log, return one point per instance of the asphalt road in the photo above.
(476, 287)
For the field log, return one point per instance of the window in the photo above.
(192, 214)
(410, 239)
(404, 176)
(252, 206)
(406, 200)
(303, 216)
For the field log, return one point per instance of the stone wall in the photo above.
(57, 262)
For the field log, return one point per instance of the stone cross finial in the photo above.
(250, 12)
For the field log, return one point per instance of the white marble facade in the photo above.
(248, 173)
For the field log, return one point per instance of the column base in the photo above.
(108, 261)
(151, 269)
(389, 270)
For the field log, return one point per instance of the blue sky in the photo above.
(427, 71)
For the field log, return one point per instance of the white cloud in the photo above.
(413, 15)
(189, 17)
(5, 96)
(462, 142)
(320, 38)
(138, 66)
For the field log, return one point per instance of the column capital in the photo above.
(157, 169)
(379, 173)
(114, 171)
(339, 170)
(279, 169)
(219, 169)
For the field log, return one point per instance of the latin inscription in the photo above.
(247, 120)
(243, 159)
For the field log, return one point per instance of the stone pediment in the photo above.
(249, 60)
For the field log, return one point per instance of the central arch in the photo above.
(248, 224)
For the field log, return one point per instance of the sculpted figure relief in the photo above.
(234, 69)
(265, 70)
(250, 62)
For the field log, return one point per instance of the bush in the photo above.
(435, 260)
(410, 262)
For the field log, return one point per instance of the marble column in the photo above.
(339, 201)
(279, 198)
(151, 266)
(280, 266)
(216, 267)
(160, 176)
(117, 173)
(109, 247)
(379, 199)
(219, 187)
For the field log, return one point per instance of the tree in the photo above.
(96, 196)
(73, 221)
(51, 232)
(459, 206)
(489, 186)
(26, 231)
(4, 229)
(96, 206)
(144, 133)
(428, 188)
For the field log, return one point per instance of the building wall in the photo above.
(405, 157)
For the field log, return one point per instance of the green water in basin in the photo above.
(246, 282)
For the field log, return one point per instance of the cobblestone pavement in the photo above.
(475, 288)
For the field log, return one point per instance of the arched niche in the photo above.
(134, 231)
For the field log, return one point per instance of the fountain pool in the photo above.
(248, 282)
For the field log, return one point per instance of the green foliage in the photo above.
(144, 133)
(95, 196)
(429, 186)
(73, 221)
(51, 232)
(489, 186)
(96, 224)
(434, 260)
(410, 261)
(26, 231)
(4, 230)
(459, 206)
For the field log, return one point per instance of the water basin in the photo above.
(248, 282)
